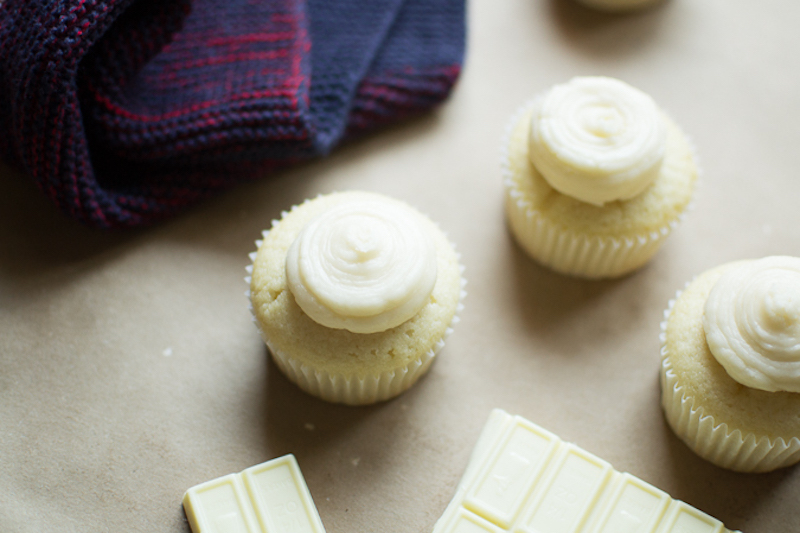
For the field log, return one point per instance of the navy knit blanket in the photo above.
(128, 111)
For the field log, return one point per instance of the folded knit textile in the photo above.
(127, 111)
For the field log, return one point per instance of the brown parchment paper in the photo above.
(130, 370)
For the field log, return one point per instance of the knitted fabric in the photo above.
(127, 111)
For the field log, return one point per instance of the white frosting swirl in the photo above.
(752, 323)
(597, 139)
(363, 265)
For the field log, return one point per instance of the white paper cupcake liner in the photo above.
(574, 254)
(353, 390)
(712, 441)
(345, 388)
(565, 250)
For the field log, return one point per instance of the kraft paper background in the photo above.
(130, 369)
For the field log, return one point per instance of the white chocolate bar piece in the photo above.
(523, 479)
(268, 498)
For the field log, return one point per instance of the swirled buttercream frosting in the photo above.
(752, 323)
(597, 139)
(364, 265)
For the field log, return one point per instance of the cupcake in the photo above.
(596, 176)
(730, 368)
(354, 294)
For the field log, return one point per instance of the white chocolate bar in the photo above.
(268, 498)
(523, 479)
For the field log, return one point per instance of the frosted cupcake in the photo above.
(596, 176)
(354, 294)
(730, 372)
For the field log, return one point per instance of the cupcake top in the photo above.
(659, 205)
(358, 258)
(703, 379)
(597, 139)
(365, 265)
(751, 321)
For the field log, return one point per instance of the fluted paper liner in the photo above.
(353, 390)
(715, 442)
(565, 250)
(350, 389)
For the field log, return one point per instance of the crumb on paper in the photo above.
(309, 426)
(355, 461)
(167, 352)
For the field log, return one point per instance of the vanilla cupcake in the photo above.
(730, 371)
(354, 294)
(596, 176)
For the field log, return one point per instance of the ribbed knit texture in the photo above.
(127, 111)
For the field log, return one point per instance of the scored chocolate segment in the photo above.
(220, 505)
(511, 471)
(524, 479)
(466, 522)
(573, 484)
(633, 506)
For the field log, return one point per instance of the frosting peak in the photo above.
(597, 139)
(752, 323)
(363, 265)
